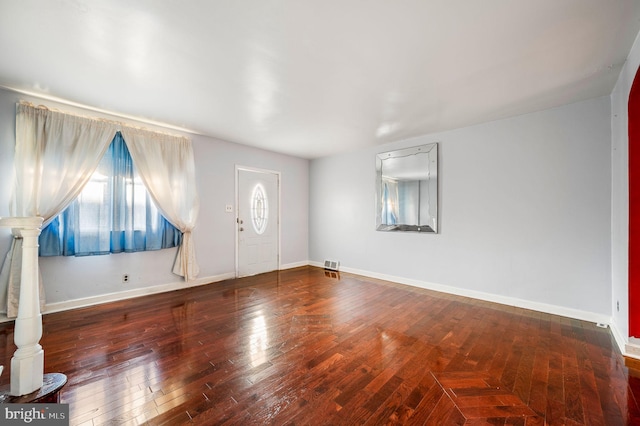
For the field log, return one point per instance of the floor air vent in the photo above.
(331, 265)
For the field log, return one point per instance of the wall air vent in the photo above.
(331, 265)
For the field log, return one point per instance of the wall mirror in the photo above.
(407, 189)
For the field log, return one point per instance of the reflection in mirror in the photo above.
(407, 189)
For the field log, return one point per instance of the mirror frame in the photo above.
(431, 170)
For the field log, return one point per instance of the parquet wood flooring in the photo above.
(305, 347)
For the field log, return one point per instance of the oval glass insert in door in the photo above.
(259, 209)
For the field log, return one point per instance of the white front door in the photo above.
(257, 221)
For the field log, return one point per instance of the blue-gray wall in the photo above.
(524, 213)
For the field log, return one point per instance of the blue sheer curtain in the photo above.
(112, 214)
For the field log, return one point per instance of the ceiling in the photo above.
(313, 78)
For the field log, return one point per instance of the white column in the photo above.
(27, 364)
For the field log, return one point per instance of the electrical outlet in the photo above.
(228, 208)
(618, 305)
(125, 278)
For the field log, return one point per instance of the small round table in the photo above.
(49, 393)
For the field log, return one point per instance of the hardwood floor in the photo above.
(307, 348)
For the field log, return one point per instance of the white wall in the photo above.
(620, 191)
(71, 278)
(525, 212)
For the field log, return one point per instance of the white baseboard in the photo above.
(138, 292)
(294, 265)
(130, 294)
(489, 297)
(621, 341)
(630, 349)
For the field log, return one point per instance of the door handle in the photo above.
(241, 229)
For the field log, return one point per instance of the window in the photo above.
(114, 213)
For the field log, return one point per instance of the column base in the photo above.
(27, 373)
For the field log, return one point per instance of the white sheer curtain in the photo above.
(55, 156)
(166, 165)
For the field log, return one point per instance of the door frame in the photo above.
(633, 261)
(239, 168)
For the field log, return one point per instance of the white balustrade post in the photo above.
(27, 364)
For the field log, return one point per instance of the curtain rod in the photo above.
(101, 111)
(119, 125)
